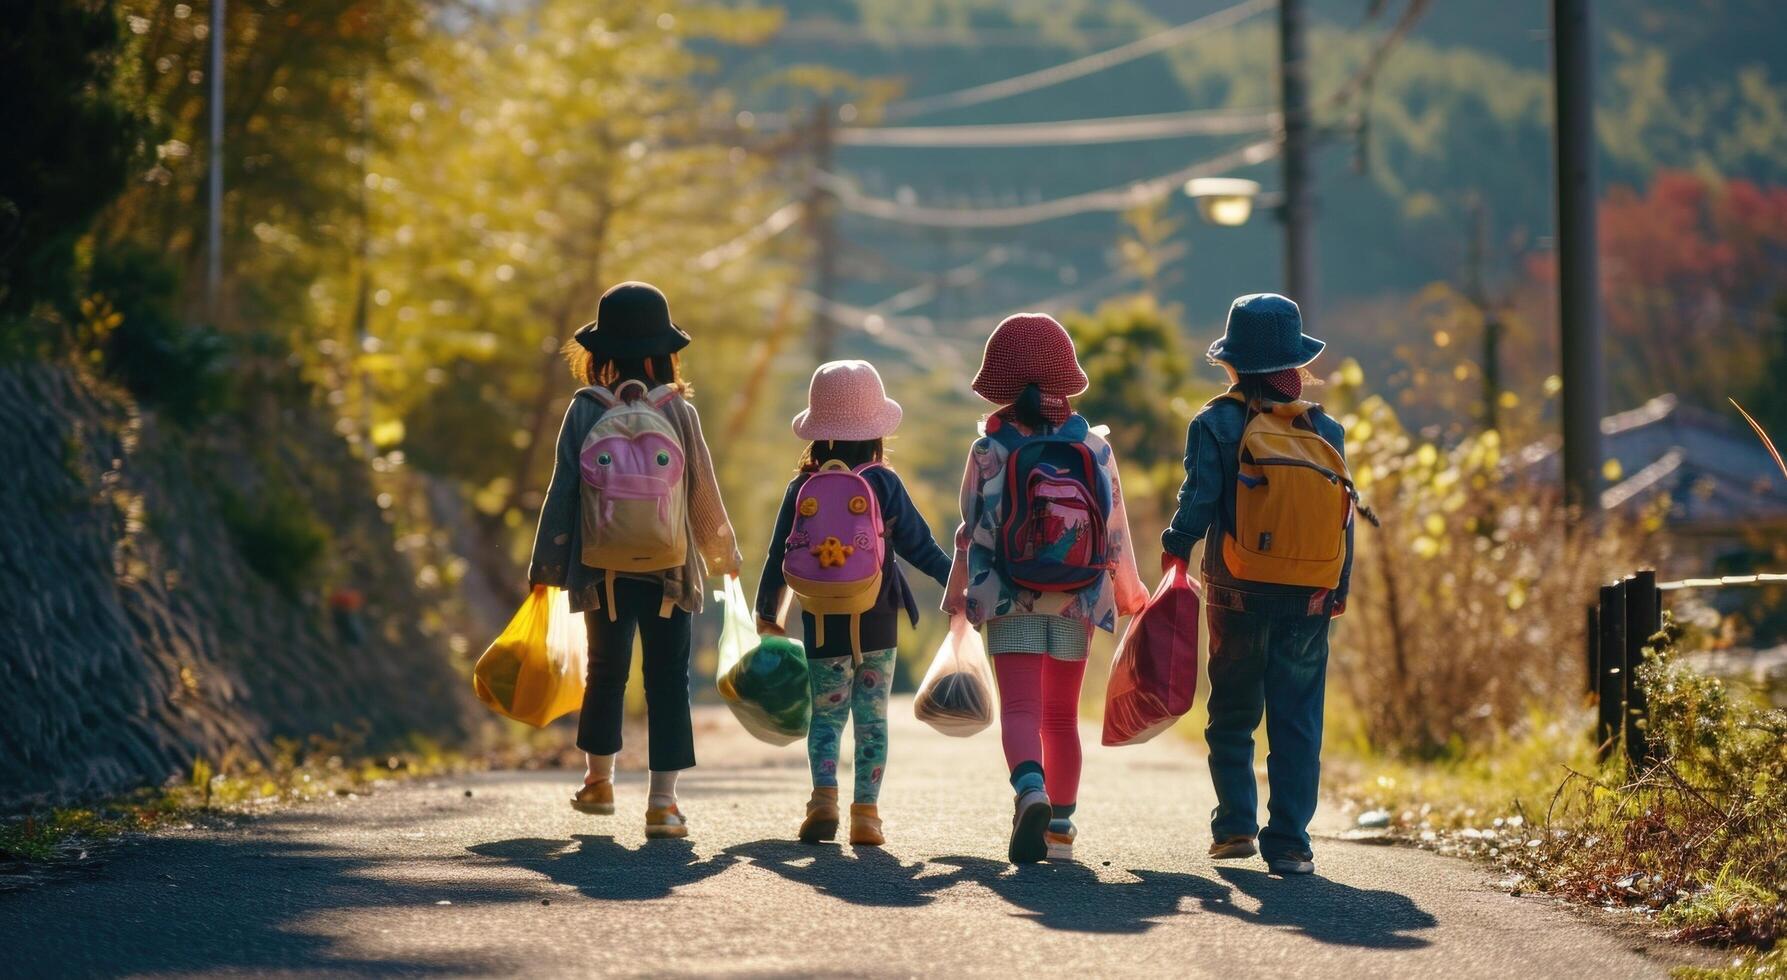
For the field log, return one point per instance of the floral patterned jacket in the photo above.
(979, 588)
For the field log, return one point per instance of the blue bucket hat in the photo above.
(1264, 334)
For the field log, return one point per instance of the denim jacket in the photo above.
(1207, 503)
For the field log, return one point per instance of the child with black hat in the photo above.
(631, 526)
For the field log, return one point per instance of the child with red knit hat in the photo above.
(1043, 557)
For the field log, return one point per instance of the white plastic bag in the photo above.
(956, 696)
(764, 681)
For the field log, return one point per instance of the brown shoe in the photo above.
(665, 822)
(1230, 848)
(865, 825)
(821, 823)
(595, 798)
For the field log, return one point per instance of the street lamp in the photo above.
(1224, 201)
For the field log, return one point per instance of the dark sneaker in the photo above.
(1029, 827)
(1292, 864)
(1230, 848)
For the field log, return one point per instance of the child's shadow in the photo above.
(1070, 896)
(858, 875)
(601, 868)
(1328, 911)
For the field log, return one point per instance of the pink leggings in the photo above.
(1039, 717)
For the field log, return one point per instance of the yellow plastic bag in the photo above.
(533, 673)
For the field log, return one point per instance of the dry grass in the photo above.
(1467, 605)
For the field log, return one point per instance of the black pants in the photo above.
(666, 641)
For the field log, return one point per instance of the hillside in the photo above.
(1462, 108)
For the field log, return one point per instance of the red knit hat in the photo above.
(1026, 349)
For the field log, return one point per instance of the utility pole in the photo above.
(822, 231)
(1478, 293)
(1298, 210)
(1579, 319)
(214, 231)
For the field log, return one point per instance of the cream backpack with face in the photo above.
(635, 502)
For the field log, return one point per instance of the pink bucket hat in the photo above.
(846, 401)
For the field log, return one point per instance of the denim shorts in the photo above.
(1057, 636)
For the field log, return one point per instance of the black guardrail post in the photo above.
(1610, 682)
(1643, 619)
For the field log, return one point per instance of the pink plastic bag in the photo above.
(1155, 673)
(956, 696)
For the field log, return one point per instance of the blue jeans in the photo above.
(1276, 665)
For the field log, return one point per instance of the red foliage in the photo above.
(1690, 270)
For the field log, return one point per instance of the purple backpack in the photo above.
(837, 547)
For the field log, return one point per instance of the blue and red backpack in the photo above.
(1057, 502)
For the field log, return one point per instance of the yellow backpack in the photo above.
(1293, 500)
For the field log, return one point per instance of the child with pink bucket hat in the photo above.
(1043, 558)
(844, 519)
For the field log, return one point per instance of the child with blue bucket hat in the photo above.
(1266, 490)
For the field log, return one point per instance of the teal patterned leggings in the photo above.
(837, 695)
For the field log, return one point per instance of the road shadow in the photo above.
(1326, 910)
(226, 904)
(1069, 896)
(600, 868)
(858, 875)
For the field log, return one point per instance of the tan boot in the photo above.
(665, 823)
(822, 816)
(865, 825)
(595, 798)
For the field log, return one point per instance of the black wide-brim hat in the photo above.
(632, 320)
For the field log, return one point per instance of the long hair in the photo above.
(1028, 408)
(664, 369)
(850, 452)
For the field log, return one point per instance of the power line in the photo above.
(1079, 67)
(1374, 62)
(1109, 199)
(945, 37)
(962, 275)
(1070, 132)
(778, 221)
(927, 337)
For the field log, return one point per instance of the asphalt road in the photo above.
(425, 879)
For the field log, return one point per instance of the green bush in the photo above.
(1701, 832)
(180, 369)
(278, 535)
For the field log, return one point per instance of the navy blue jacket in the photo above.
(908, 537)
(1207, 498)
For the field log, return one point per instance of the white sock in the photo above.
(601, 769)
(663, 790)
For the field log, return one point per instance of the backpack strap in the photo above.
(600, 395)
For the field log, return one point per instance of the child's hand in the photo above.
(538, 588)
(768, 628)
(1170, 561)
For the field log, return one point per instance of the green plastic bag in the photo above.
(763, 682)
